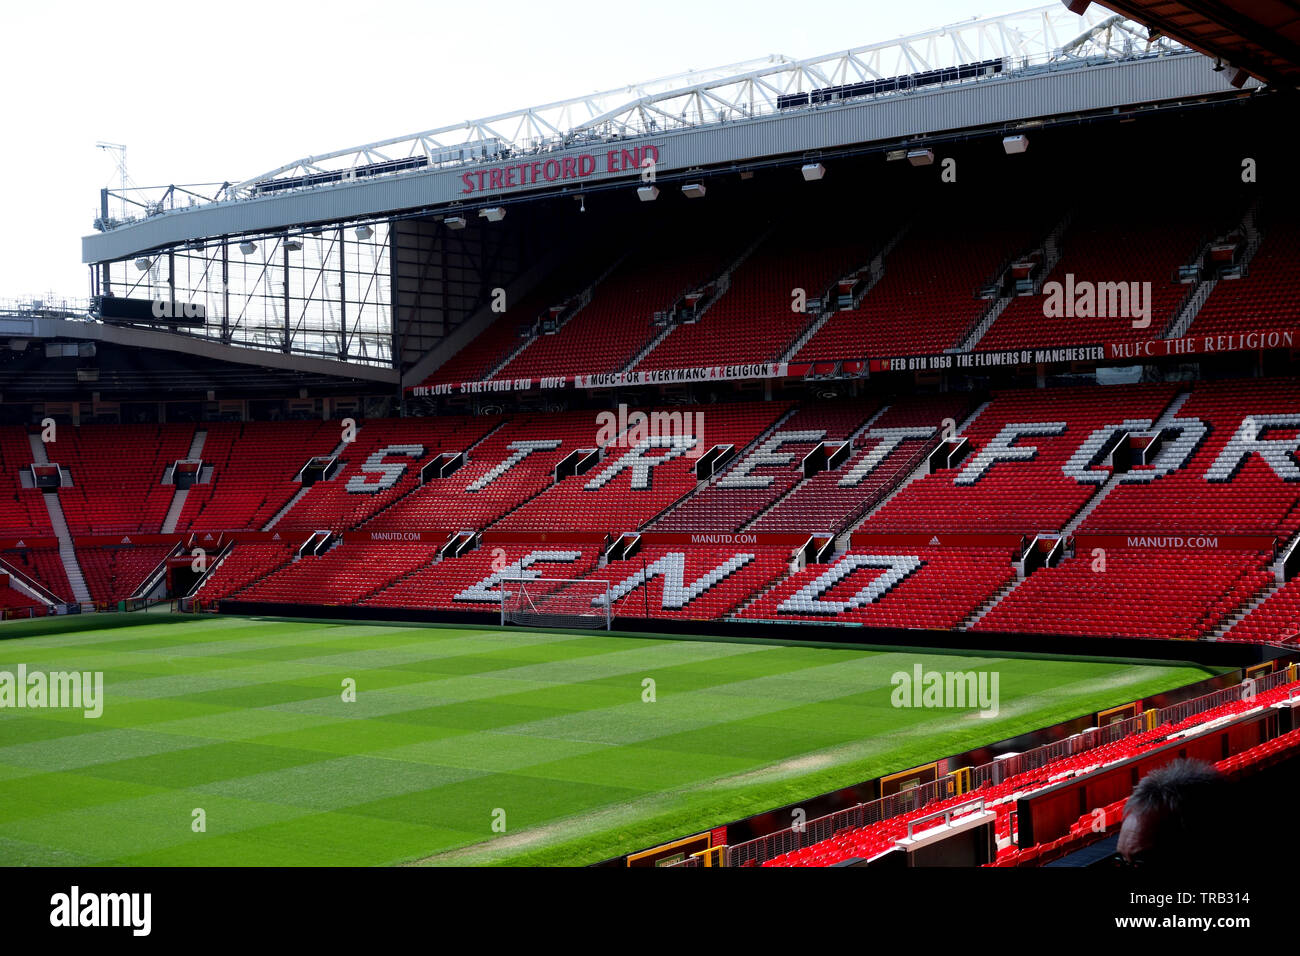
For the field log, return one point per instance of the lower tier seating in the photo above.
(1015, 478)
(1275, 620)
(1234, 469)
(14, 603)
(344, 575)
(244, 564)
(45, 567)
(1001, 798)
(471, 582)
(883, 455)
(696, 583)
(114, 574)
(898, 587)
(762, 475)
(1140, 593)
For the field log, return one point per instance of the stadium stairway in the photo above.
(920, 471)
(1113, 481)
(664, 519)
(181, 495)
(855, 441)
(1196, 298)
(1263, 296)
(298, 495)
(721, 282)
(1270, 588)
(875, 270)
(67, 553)
(1237, 616)
(1050, 248)
(374, 519)
(974, 617)
(581, 301)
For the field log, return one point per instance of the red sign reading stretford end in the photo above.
(557, 170)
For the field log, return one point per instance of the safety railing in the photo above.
(807, 833)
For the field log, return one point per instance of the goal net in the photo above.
(556, 602)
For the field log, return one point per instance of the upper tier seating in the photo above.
(1239, 493)
(506, 469)
(495, 343)
(926, 299)
(369, 481)
(732, 499)
(117, 474)
(1268, 296)
(1032, 493)
(753, 320)
(608, 332)
(253, 466)
(631, 485)
(1095, 250)
(928, 587)
(830, 500)
(1141, 593)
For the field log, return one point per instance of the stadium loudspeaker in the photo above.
(454, 222)
(143, 264)
(1015, 144)
(647, 193)
(364, 232)
(920, 157)
(248, 248)
(1077, 7)
(493, 213)
(813, 172)
(1239, 79)
(693, 190)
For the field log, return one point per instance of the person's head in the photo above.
(1174, 816)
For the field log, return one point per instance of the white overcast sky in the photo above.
(223, 91)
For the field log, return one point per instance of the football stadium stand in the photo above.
(1162, 510)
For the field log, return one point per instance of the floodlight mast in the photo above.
(119, 151)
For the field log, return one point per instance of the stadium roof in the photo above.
(1261, 37)
(1043, 38)
(714, 95)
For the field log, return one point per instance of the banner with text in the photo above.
(1127, 351)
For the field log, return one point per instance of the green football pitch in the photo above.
(234, 741)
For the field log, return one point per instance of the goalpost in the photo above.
(556, 602)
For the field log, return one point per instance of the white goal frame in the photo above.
(525, 598)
